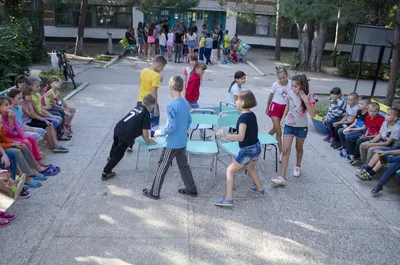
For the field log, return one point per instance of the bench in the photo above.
(128, 48)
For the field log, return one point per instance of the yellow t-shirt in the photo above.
(227, 41)
(37, 99)
(202, 42)
(148, 79)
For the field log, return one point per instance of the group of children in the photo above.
(28, 118)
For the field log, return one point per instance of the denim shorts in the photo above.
(299, 132)
(248, 154)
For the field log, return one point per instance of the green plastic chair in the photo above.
(150, 148)
(203, 119)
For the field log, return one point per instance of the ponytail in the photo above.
(238, 74)
(302, 80)
(229, 90)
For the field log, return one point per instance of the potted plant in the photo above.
(322, 110)
(45, 75)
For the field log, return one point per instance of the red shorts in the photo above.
(276, 110)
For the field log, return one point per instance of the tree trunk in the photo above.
(335, 45)
(278, 33)
(38, 30)
(395, 67)
(304, 31)
(81, 28)
(318, 45)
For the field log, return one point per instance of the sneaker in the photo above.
(25, 193)
(129, 149)
(259, 192)
(327, 138)
(355, 162)
(297, 172)
(279, 181)
(60, 149)
(344, 153)
(4, 222)
(341, 148)
(334, 143)
(107, 176)
(350, 157)
(375, 191)
(224, 62)
(224, 203)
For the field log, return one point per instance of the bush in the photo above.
(322, 109)
(350, 69)
(292, 61)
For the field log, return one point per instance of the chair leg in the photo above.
(137, 156)
(276, 157)
(265, 150)
(214, 169)
(148, 166)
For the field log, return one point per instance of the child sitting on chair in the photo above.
(136, 123)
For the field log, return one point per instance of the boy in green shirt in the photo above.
(227, 43)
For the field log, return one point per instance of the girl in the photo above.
(178, 46)
(52, 99)
(277, 103)
(249, 144)
(191, 42)
(299, 102)
(141, 40)
(170, 43)
(236, 86)
(163, 42)
(185, 49)
(34, 120)
(208, 48)
(186, 72)
(151, 40)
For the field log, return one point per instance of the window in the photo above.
(289, 29)
(262, 26)
(66, 15)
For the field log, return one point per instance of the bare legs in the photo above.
(276, 129)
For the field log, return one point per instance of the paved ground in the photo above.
(324, 217)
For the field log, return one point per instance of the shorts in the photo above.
(248, 154)
(150, 40)
(299, 132)
(191, 44)
(170, 44)
(226, 51)
(141, 41)
(276, 110)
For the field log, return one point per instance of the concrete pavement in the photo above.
(326, 216)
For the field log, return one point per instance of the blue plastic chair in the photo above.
(202, 119)
(150, 148)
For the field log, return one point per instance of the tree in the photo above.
(81, 28)
(278, 30)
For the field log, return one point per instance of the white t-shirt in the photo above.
(280, 92)
(163, 39)
(186, 72)
(171, 37)
(390, 131)
(297, 116)
(351, 111)
(235, 90)
(193, 37)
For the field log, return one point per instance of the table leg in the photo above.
(137, 156)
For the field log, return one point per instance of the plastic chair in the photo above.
(202, 119)
(150, 148)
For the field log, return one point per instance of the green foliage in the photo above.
(47, 74)
(322, 109)
(292, 61)
(350, 69)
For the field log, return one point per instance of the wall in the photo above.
(95, 33)
(137, 16)
(231, 25)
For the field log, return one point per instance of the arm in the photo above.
(343, 120)
(33, 113)
(237, 137)
(145, 135)
(4, 158)
(269, 103)
(154, 91)
(171, 126)
(386, 143)
(19, 130)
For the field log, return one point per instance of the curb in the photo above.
(78, 89)
(113, 61)
(255, 68)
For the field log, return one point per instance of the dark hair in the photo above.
(336, 91)
(208, 34)
(31, 81)
(53, 79)
(26, 91)
(4, 99)
(140, 25)
(281, 69)
(302, 80)
(176, 83)
(226, 31)
(249, 100)
(366, 99)
(149, 100)
(152, 28)
(395, 111)
(201, 65)
(20, 79)
(160, 60)
(375, 105)
(238, 74)
(193, 58)
(12, 93)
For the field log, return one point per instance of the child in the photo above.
(178, 46)
(249, 145)
(170, 43)
(214, 56)
(179, 120)
(236, 86)
(163, 42)
(202, 44)
(208, 48)
(185, 50)
(52, 99)
(276, 104)
(227, 43)
(188, 69)
(389, 135)
(299, 102)
(373, 123)
(355, 129)
(20, 81)
(192, 92)
(335, 112)
(136, 123)
(150, 81)
(151, 40)
(348, 119)
(192, 41)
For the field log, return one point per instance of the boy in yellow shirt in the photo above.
(227, 43)
(150, 81)
(202, 44)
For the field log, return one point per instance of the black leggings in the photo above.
(116, 154)
(37, 123)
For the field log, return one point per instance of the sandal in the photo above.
(4, 222)
(64, 138)
(51, 171)
(6, 215)
(147, 193)
(34, 184)
(39, 177)
(185, 192)
(20, 186)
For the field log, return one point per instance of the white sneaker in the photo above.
(297, 172)
(279, 181)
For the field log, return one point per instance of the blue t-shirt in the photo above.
(18, 115)
(179, 119)
(209, 43)
(251, 136)
(360, 118)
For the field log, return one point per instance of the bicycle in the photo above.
(65, 66)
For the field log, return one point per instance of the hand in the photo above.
(220, 132)
(155, 111)
(267, 111)
(151, 142)
(162, 78)
(380, 152)
(18, 146)
(157, 133)
(336, 123)
(346, 130)
(5, 161)
(11, 114)
(367, 145)
(303, 96)
(48, 123)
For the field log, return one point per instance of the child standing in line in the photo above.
(276, 104)
(335, 112)
(249, 144)
(188, 69)
(208, 48)
(150, 81)
(299, 103)
(355, 129)
(214, 56)
(178, 123)
(348, 119)
(136, 123)
(170, 43)
(163, 42)
(373, 123)
(236, 86)
(185, 49)
(192, 41)
(178, 46)
(202, 44)
(227, 43)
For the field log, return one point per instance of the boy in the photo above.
(214, 51)
(373, 123)
(136, 123)
(150, 81)
(227, 43)
(348, 119)
(20, 81)
(389, 135)
(202, 44)
(335, 112)
(178, 123)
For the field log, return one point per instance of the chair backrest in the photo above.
(228, 118)
(225, 106)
